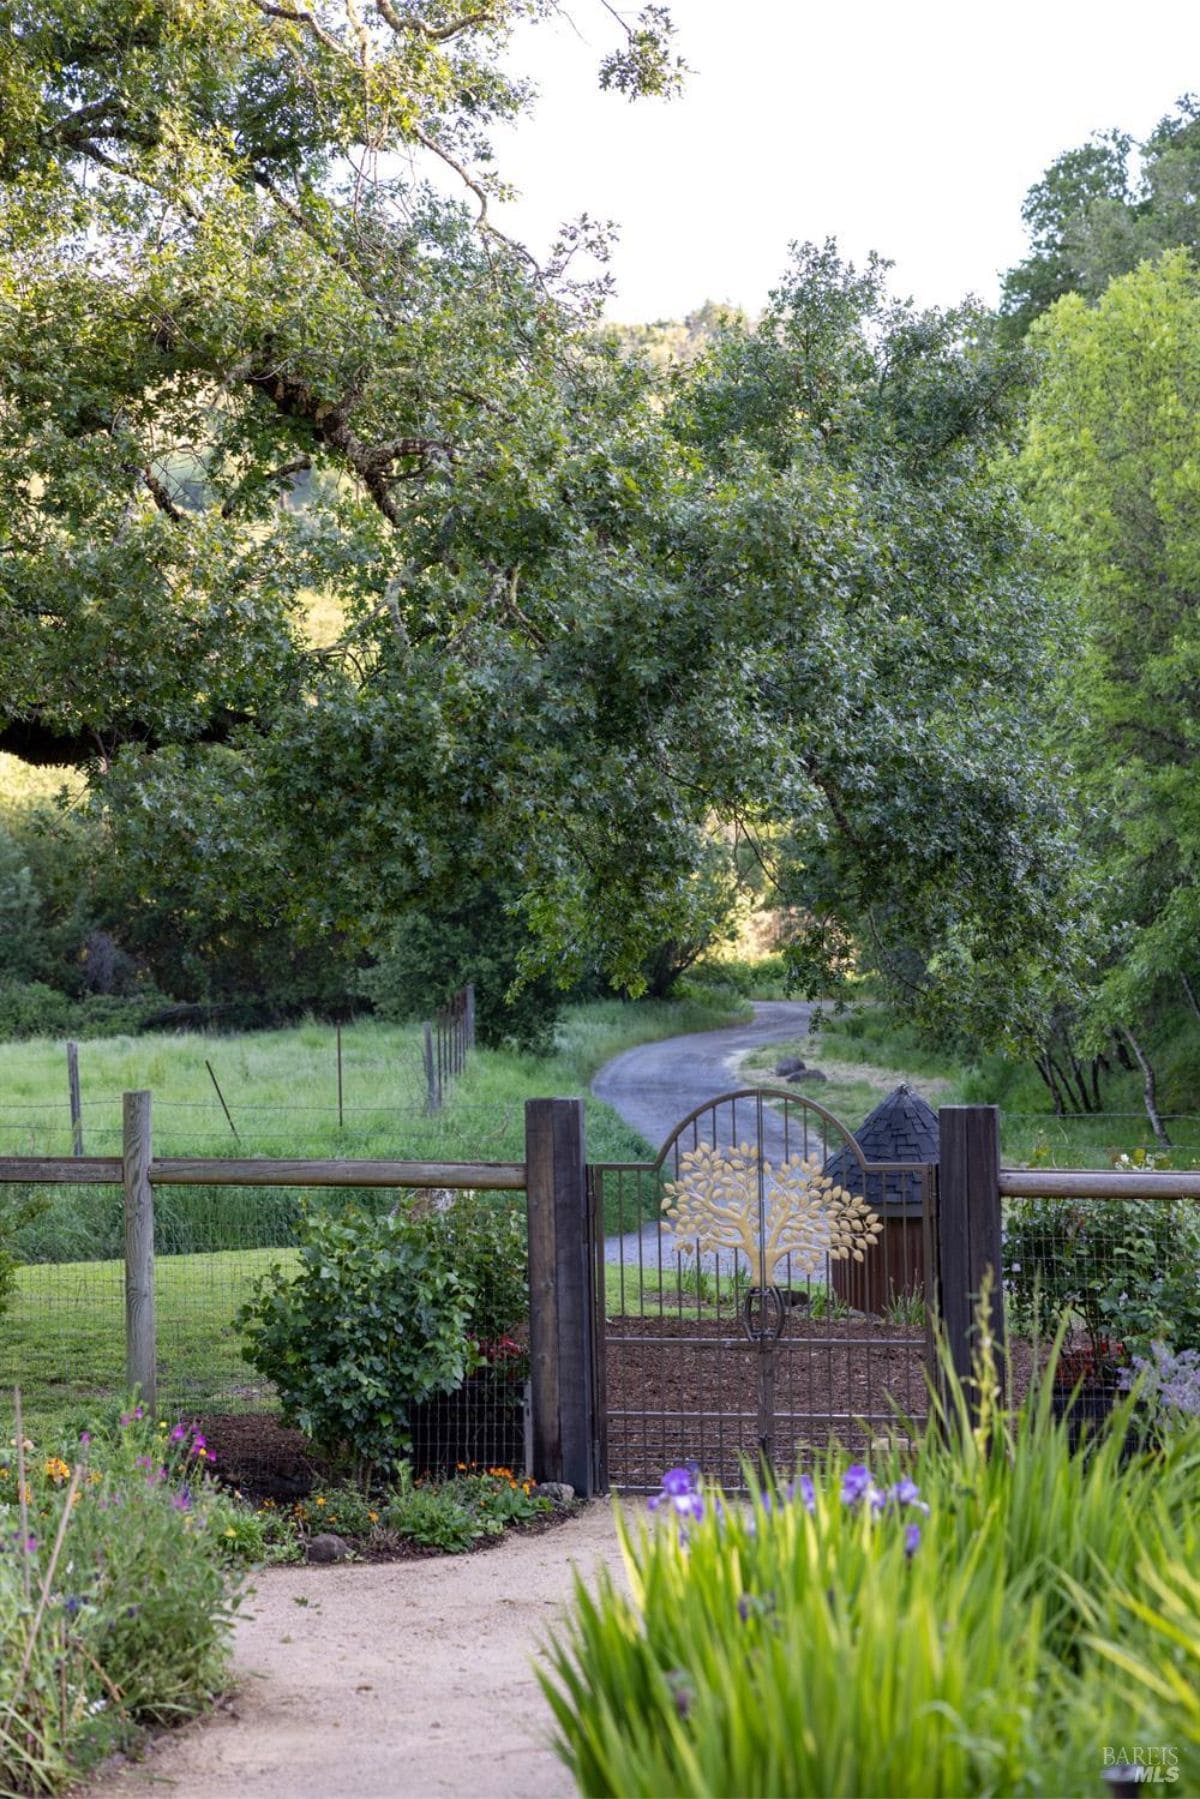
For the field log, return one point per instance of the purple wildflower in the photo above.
(182, 1501)
(179, 1433)
(681, 1493)
(907, 1492)
(85, 1437)
(912, 1539)
(857, 1484)
(808, 1496)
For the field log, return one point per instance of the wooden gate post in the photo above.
(141, 1345)
(968, 1240)
(560, 1295)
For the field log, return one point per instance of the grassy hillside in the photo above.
(281, 1088)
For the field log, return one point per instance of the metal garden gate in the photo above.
(760, 1289)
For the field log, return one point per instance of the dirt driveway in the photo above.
(390, 1681)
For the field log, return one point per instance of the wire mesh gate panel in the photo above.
(760, 1291)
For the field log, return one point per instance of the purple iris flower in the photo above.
(681, 1493)
(912, 1539)
(907, 1492)
(856, 1484)
(808, 1495)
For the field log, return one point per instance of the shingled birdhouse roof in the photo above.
(902, 1128)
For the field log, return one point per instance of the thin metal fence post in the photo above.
(341, 1120)
(560, 1295)
(470, 997)
(76, 1102)
(140, 1334)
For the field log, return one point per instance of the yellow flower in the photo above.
(374, 1517)
(318, 1500)
(56, 1469)
(231, 1532)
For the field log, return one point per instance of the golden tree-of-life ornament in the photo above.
(802, 1213)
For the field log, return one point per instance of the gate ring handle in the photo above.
(776, 1311)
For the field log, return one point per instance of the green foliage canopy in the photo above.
(1091, 217)
(1113, 464)
(588, 609)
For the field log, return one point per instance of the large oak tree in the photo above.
(249, 354)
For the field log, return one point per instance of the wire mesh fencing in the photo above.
(1118, 1278)
(63, 1335)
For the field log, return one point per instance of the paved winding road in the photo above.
(657, 1084)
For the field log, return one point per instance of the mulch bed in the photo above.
(687, 1390)
(683, 1390)
(261, 1458)
(481, 1425)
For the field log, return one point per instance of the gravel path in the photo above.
(391, 1681)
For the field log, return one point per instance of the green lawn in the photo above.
(62, 1339)
(281, 1088)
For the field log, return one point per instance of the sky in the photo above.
(913, 128)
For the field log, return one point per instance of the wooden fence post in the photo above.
(433, 1087)
(967, 1229)
(560, 1293)
(140, 1334)
(76, 1103)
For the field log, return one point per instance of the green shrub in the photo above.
(433, 1517)
(31, 1009)
(764, 978)
(453, 1515)
(842, 1639)
(370, 1323)
(484, 1239)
